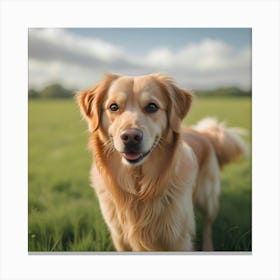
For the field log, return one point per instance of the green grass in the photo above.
(63, 211)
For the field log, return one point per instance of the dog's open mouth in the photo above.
(134, 157)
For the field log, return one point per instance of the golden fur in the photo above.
(148, 203)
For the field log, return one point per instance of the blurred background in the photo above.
(215, 63)
(197, 59)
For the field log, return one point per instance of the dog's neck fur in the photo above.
(140, 183)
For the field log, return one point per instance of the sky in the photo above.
(196, 58)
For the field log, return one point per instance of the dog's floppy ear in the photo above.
(90, 101)
(180, 102)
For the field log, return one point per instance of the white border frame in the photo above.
(18, 16)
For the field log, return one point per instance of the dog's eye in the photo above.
(114, 107)
(151, 108)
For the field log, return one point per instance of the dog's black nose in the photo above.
(132, 136)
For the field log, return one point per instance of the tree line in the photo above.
(58, 91)
(51, 91)
(224, 92)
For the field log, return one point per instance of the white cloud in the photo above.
(206, 56)
(60, 39)
(75, 77)
(56, 55)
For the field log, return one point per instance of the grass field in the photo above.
(63, 211)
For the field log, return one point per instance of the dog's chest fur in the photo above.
(150, 224)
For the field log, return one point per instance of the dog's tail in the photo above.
(227, 142)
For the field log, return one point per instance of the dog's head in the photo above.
(134, 114)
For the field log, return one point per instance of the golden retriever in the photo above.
(149, 171)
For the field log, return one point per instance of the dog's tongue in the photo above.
(132, 156)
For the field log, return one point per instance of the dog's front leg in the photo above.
(120, 244)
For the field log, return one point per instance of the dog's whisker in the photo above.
(161, 143)
(108, 147)
(155, 144)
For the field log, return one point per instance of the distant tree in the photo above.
(225, 92)
(32, 93)
(55, 91)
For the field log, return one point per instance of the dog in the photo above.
(150, 171)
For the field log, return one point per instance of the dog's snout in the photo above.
(132, 136)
